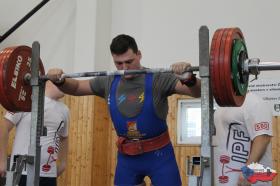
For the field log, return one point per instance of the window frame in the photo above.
(189, 103)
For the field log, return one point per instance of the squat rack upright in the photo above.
(205, 161)
(32, 159)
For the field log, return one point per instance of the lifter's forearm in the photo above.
(258, 148)
(75, 87)
(196, 89)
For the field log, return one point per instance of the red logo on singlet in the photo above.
(262, 126)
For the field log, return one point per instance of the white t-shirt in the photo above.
(236, 127)
(56, 119)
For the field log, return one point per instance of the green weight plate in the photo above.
(240, 78)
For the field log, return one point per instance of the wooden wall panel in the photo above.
(89, 154)
(100, 144)
(80, 157)
(12, 133)
(276, 149)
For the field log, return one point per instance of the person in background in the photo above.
(243, 136)
(54, 145)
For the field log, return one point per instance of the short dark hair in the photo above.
(121, 43)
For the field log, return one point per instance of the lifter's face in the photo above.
(128, 61)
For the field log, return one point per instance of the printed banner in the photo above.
(269, 90)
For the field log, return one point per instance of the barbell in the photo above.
(229, 71)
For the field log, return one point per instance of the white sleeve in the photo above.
(13, 117)
(258, 117)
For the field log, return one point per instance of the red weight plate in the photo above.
(4, 54)
(235, 33)
(214, 65)
(218, 70)
(16, 89)
(222, 83)
(220, 67)
(221, 96)
(227, 67)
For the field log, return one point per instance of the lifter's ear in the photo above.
(139, 54)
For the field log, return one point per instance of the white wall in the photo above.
(167, 31)
(103, 35)
(84, 35)
(75, 35)
(53, 26)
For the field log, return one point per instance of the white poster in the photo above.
(269, 90)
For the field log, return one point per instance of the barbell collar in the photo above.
(254, 66)
(268, 65)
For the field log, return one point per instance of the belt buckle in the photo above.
(139, 146)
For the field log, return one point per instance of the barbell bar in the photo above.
(229, 71)
(248, 67)
(120, 72)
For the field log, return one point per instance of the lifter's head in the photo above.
(125, 53)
